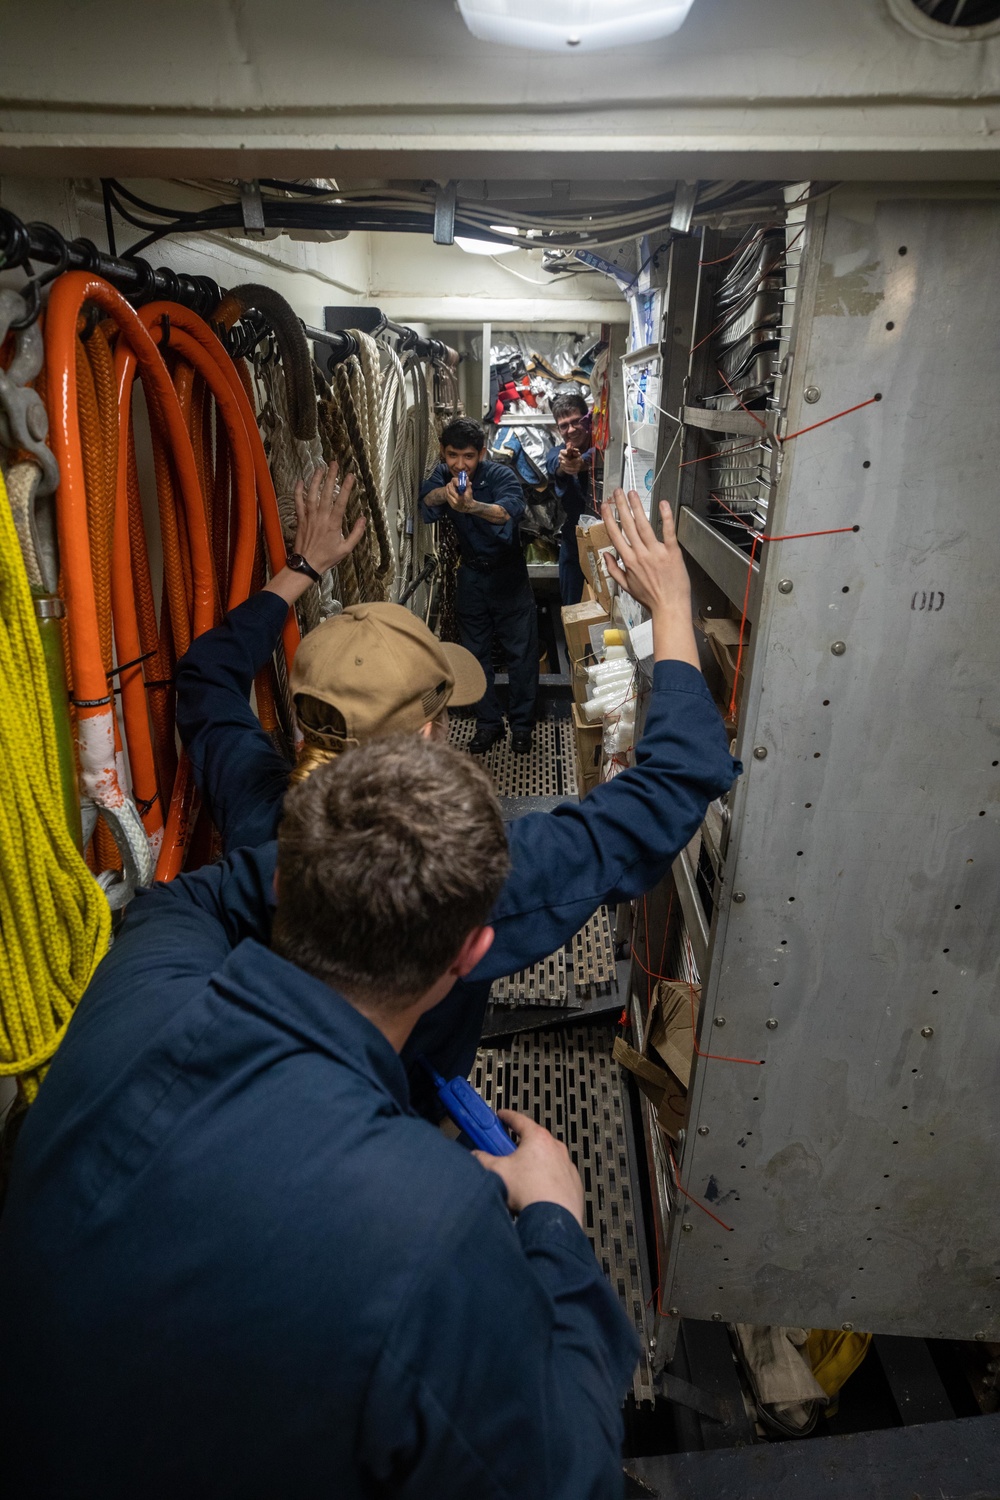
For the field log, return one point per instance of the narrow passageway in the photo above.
(550, 1031)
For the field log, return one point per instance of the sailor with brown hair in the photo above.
(245, 1265)
(614, 845)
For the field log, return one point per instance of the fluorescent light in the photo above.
(485, 247)
(577, 25)
(488, 247)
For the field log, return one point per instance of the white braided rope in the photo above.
(291, 459)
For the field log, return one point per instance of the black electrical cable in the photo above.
(109, 222)
(306, 189)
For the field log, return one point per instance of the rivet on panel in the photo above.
(838, 648)
(739, 897)
(673, 1312)
(847, 1327)
(785, 586)
(811, 394)
(687, 1228)
(981, 1337)
(927, 1031)
(716, 1317)
(719, 1021)
(760, 752)
(703, 1130)
(771, 1023)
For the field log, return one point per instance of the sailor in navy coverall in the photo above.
(234, 1265)
(570, 466)
(615, 845)
(493, 591)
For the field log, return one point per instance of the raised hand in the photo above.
(320, 509)
(653, 572)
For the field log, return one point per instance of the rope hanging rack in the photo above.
(24, 244)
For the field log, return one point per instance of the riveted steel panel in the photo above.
(857, 1167)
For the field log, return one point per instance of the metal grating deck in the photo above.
(547, 770)
(591, 958)
(545, 983)
(567, 1081)
(594, 967)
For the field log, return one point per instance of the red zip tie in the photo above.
(691, 1197)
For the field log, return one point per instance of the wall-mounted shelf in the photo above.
(525, 419)
(725, 564)
(638, 356)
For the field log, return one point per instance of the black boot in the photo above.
(521, 741)
(485, 736)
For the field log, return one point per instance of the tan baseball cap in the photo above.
(383, 672)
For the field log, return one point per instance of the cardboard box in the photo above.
(588, 738)
(662, 1069)
(663, 1092)
(592, 543)
(576, 622)
(723, 636)
(669, 1034)
(587, 597)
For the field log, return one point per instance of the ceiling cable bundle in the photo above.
(277, 204)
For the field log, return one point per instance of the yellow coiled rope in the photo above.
(54, 919)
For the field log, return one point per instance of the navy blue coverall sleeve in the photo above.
(616, 844)
(503, 488)
(237, 770)
(621, 840)
(505, 1424)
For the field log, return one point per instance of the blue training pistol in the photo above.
(462, 482)
(471, 1114)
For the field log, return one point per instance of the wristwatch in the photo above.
(298, 564)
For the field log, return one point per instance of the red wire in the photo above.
(745, 408)
(743, 625)
(706, 456)
(742, 245)
(762, 276)
(753, 1062)
(759, 537)
(845, 413)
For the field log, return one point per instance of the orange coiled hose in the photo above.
(95, 717)
(217, 511)
(200, 362)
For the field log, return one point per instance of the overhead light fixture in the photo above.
(577, 25)
(488, 247)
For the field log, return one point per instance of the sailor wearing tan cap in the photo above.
(613, 846)
(376, 670)
(371, 671)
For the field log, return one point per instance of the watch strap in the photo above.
(298, 564)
